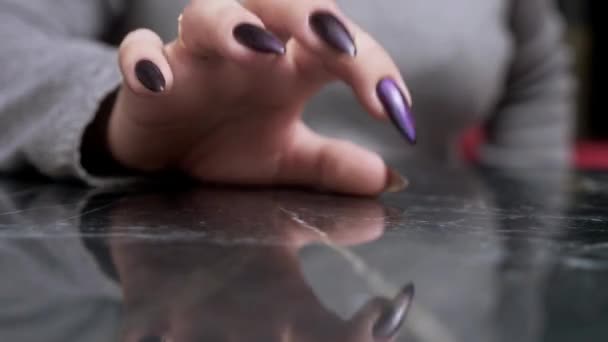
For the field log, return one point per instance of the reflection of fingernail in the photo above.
(333, 32)
(150, 76)
(394, 181)
(393, 214)
(397, 108)
(258, 39)
(392, 319)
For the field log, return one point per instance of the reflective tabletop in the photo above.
(461, 255)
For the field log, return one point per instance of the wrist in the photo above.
(96, 156)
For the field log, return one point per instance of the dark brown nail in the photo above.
(150, 76)
(258, 39)
(333, 32)
(395, 182)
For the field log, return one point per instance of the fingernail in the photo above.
(392, 319)
(258, 39)
(150, 76)
(397, 108)
(394, 181)
(333, 32)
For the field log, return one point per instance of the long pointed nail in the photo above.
(397, 108)
(392, 319)
(150, 76)
(258, 39)
(394, 181)
(333, 32)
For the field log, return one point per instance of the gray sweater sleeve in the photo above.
(533, 125)
(54, 74)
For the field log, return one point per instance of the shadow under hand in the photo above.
(222, 265)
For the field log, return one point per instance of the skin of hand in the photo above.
(195, 289)
(223, 104)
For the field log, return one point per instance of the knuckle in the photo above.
(139, 36)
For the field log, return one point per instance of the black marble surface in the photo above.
(493, 257)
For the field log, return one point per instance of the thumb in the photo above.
(336, 165)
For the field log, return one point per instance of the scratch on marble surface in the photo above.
(21, 211)
(14, 212)
(425, 326)
(85, 213)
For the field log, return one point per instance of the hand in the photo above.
(223, 103)
(201, 283)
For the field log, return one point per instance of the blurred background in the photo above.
(583, 36)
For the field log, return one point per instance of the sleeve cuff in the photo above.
(56, 151)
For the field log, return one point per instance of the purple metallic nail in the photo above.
(396, 106)
(258, 39)
(333, 32)
(150, 76)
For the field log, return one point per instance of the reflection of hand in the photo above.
(224, 103)
(247, 285)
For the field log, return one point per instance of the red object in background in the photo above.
(591, 155)
(588, 155)
(469, 145)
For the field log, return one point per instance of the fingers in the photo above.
(335, 165)
(225, 28)
(346, 52)
(143, 63)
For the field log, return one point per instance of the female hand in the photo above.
(223, 103)
(210, 284)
